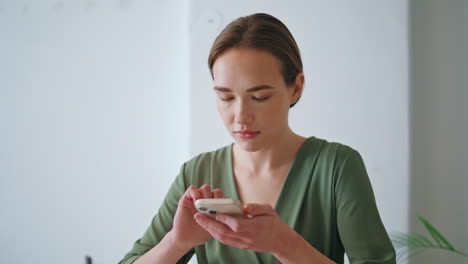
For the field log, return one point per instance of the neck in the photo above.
(281, 152)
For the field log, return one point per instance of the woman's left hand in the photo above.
(259, 230)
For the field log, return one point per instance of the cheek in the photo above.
(277, 109)
(271, 115)
(223, 111)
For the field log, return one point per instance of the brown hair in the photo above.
(263, 32)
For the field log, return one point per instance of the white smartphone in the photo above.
(215, 206)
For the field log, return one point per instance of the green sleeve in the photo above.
(359, 225)
(161, 223)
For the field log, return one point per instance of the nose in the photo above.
(243, 113)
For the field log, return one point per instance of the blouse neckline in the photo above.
(289, 176)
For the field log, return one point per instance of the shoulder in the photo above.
(209, 158)
(337, 163)
(330, 151)
(327, 156)
(200, 169)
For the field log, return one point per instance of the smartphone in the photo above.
(215, 206)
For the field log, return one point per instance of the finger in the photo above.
(238, 224)
(258, 209)
(232, 241)
(219, 231)
(205, 191)
(188, 198)
(217, 193)
(211, 225)
(192, 193)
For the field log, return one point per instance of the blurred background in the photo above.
(102, 101)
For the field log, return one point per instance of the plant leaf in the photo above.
(413, 240)
(425, 242)
(440, 240)
(400, 240)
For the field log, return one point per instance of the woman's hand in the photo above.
(186, 232)
(260, 229)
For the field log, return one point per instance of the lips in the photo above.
(246, 134)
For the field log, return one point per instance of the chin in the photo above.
(248, 146)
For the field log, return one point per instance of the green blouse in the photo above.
(326, 197)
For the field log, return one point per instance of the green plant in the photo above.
(411, 244)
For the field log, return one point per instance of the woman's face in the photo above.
(252, 97)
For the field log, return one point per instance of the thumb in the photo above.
(258, 209)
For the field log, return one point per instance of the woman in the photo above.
(306, 200)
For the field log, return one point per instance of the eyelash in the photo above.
(259, 99)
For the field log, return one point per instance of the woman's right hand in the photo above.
(187, 233)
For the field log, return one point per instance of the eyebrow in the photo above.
(253, 89)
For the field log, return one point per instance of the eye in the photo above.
(260, 98)
(227, 99)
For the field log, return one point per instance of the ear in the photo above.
(297, 88)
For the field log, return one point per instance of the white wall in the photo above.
(95, 109)
(355, 55)
(94, 124)
(439, 183)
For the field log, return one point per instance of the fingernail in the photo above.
(220, 218)
(197, 218)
